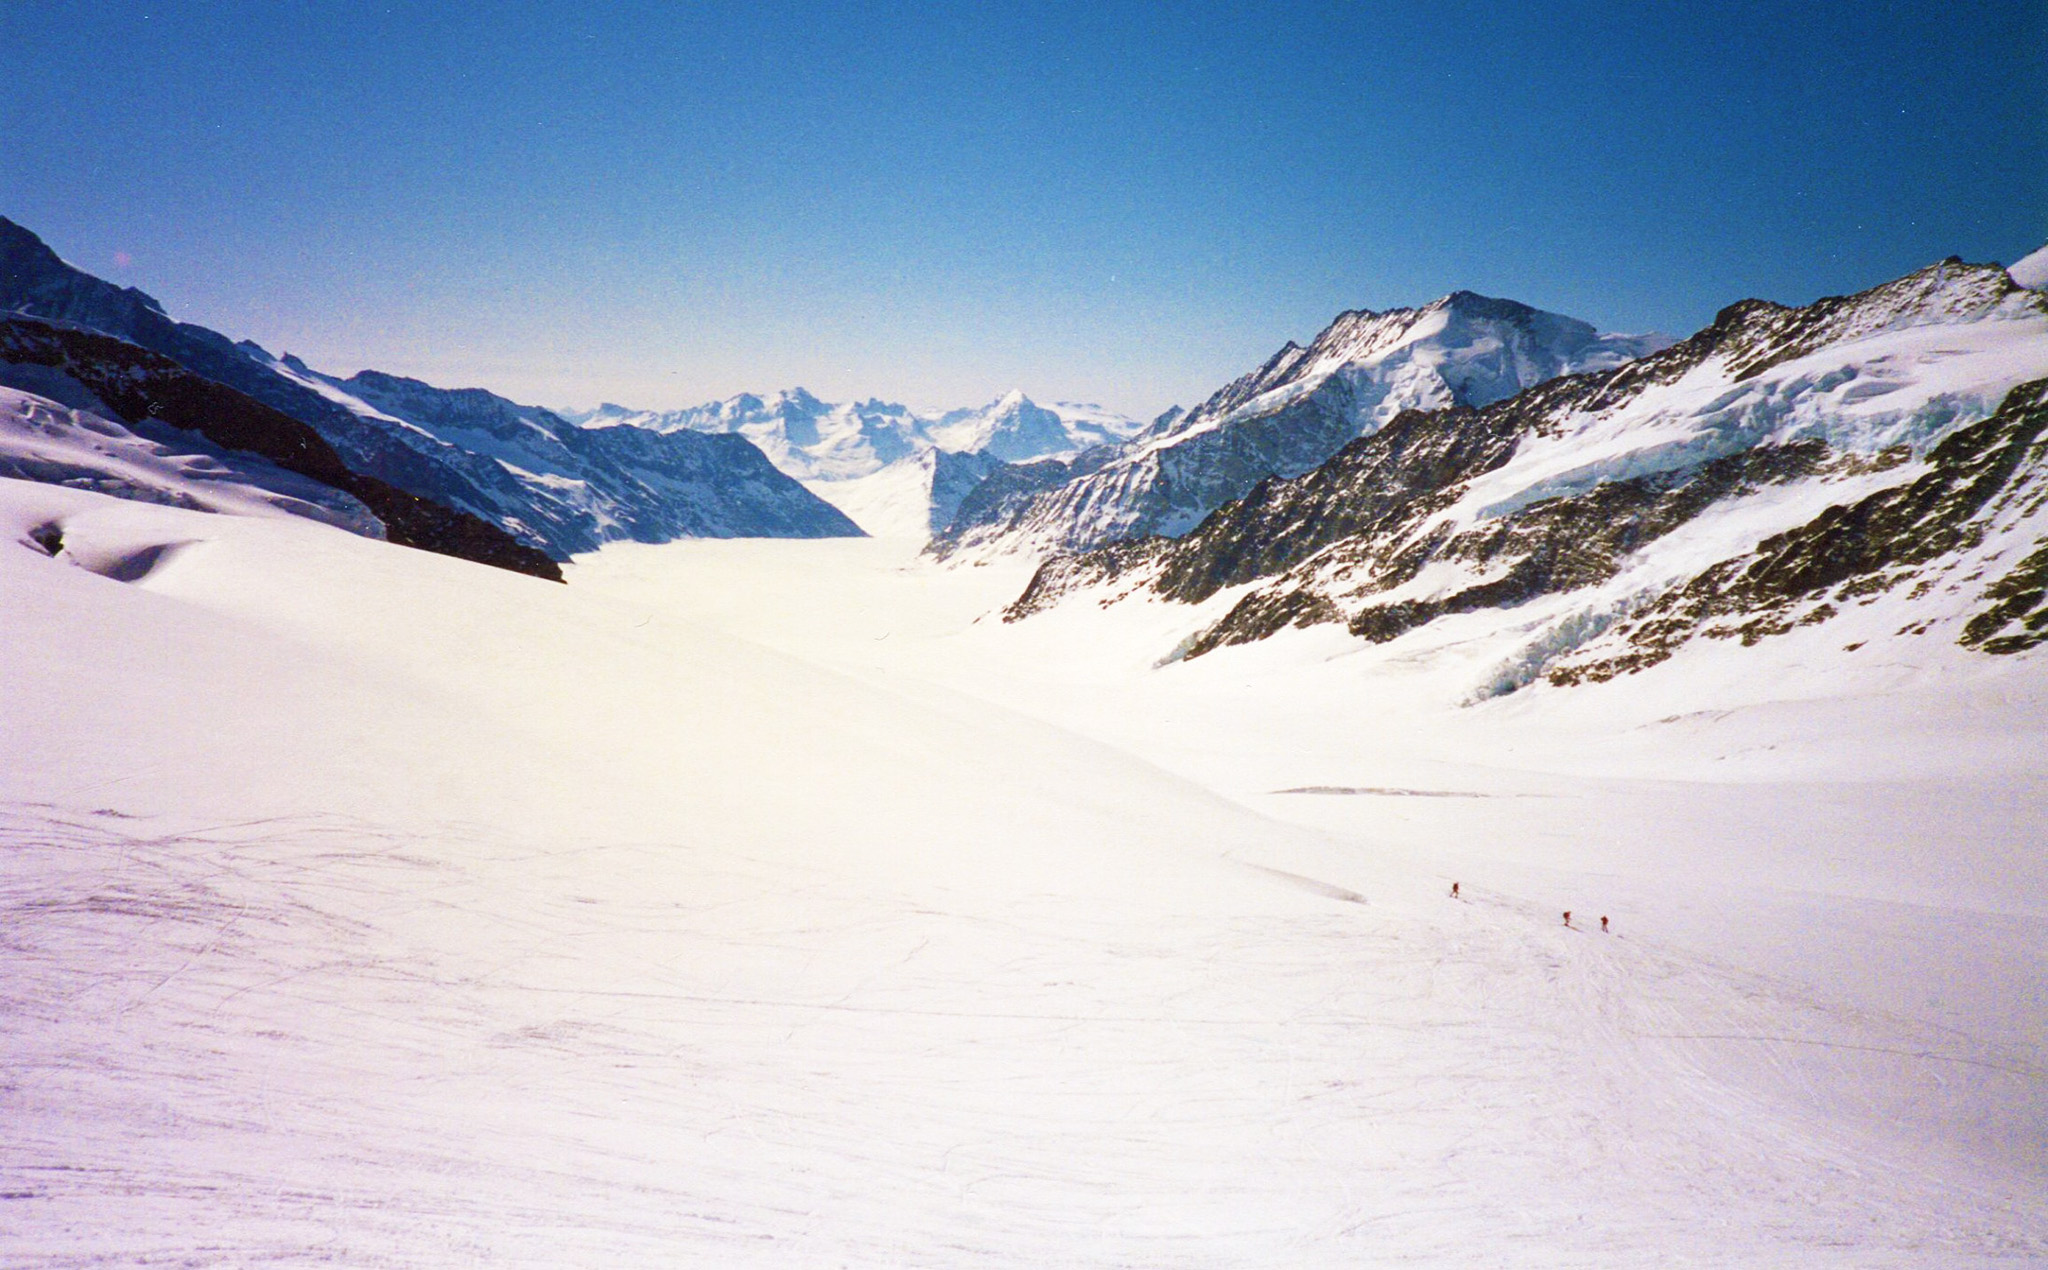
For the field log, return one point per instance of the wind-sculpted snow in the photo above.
(1294, 412)
(1598, 493)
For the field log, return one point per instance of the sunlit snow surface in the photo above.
(766, 904)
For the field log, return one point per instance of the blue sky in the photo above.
(1127, 203)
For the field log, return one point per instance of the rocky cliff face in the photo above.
(1775, 467)
(1293, 413)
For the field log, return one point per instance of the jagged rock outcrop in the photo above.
(1979, 480)
(1769, 469)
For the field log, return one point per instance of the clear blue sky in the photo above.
(661, 203)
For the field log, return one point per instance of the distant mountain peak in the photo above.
(801, 398)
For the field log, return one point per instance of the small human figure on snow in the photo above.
(1454, 890)
(1603, 924)
(1567, 917)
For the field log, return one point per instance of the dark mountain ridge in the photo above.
(540, 478)
(145, 388)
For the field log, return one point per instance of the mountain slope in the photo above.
(82, 447)
(581, 486)
(529, 472)
(36, 282)
(1296, 410)
(148, 391)
(1576, 505)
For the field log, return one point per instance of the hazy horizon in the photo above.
(1096, 203)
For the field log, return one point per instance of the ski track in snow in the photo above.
(743, 1033)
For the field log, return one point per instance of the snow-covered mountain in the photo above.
(546, 482)
(2031, 270)
(577, 487)
(1292, 413)
(1873, 461)
(1016, 429)
(806, 438)
(82, 446)
(877, 460)
(205, 428)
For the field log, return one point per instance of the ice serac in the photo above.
(530, 473)
(1292, 413)
(1780, 468)
(197, 416)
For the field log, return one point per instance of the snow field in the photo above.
(754, 904)
(314, 1040)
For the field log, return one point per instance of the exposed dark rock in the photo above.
(49, 537)
(1322, 546)
(141, 386)
(1858, 550)
(1289, 416)
(1062, 574)
(567, 489)
(2020, 598)
(1562, 544)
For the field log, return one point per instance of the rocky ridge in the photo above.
(1285, 418)
(161, 399)
(1776, 466)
